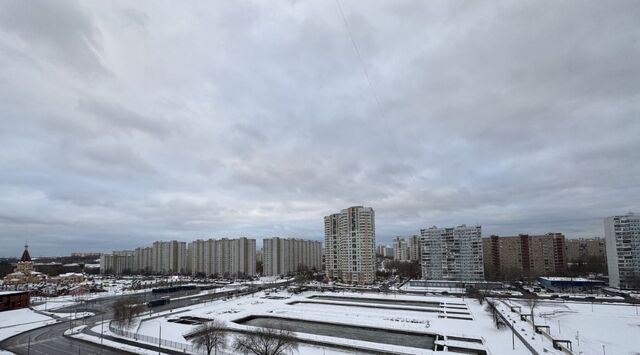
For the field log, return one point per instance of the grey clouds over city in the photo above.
(127, 122)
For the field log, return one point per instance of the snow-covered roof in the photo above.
(5, 293)
(577, 279)
(69, 274)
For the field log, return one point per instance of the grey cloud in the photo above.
(128, 122)
(116, 117)
(58, 31)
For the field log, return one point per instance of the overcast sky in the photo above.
(126, 122)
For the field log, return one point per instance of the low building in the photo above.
(455, 284)
(570, 284)
(74, 277)
(13, 300)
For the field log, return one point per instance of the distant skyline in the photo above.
(126, 122)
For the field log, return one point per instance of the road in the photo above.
(50, 340)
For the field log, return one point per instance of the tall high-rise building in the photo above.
(350, 245)
(622, 235)
(406, 249)
(222, 257)
(528, 256)
(169, 257)
(400, 249)
(415, 248)
(283, 255)
(452, 253)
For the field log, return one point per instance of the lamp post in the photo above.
(159, 336)
(101, 328)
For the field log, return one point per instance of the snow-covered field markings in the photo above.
(452, 323)
(589, 326)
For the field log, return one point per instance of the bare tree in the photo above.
(125, 310)
(210, 336)
(532, 302)
(267, 341)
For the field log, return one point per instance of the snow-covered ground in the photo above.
(480, 326)
(20, 320)
(616, 326)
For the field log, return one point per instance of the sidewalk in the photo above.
(131, 342)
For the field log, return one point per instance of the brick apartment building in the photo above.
(524, 256)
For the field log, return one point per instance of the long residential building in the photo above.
(223, 257)
(161, 258)
(622, 235)
(524, 256)
(118, 262)
(584, 249)
(350, 245)
(452, 253)
(287, 255)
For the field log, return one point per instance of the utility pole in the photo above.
(29, 345)
(101, 328)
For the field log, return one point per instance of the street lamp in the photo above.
(101, 327)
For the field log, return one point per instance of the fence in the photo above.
(555, 342)
(185, 348)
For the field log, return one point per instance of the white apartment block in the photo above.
(118, 262)
(223, 257)
(160, 258)
(350, 245)
(169, 257)
(622, 238)
(452, 253)
(283, 256)
(400, 249)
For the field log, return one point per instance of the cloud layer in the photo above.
(126, 122)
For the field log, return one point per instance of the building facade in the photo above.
(400, 249)
(118, 262)
(288, 255)
(350, 245)
(169, 257)
(415, 248)
(524, 256)
(162, 258)
(622, 236)
(10, 300)
(407, 249)
(452, 253)
(585, 249)
(223, 257)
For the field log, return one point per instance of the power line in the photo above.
(357, 50)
